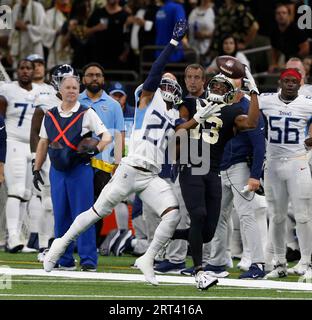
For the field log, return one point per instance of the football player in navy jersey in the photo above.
(200, 181)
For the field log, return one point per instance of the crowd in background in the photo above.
(113, 32)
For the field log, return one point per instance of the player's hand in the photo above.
(250, 82)
(179, 30)
(308, 143)
(88, 152)
(208, 110)
(37, 178)
(253, 184)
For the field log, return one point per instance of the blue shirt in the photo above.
(166, 18)
(246, 144)
(110, 112)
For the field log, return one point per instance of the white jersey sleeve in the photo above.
(47, 98)
(287, 124)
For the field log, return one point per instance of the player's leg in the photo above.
(46, 220)
(193, 192)
(119, 187)
(219, 241)
(277, 197)
(176, 251)
(15, 171)
(299, 186)
(159, 195)
(243, 204)
(260, 208)
(236, 240)
(213, 196)
(3, 199)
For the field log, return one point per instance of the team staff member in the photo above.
(71, 179)
(110, 112)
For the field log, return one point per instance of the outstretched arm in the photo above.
(153, 79)
(251, 121)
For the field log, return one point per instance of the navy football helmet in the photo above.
(230, 89)
(62, 72)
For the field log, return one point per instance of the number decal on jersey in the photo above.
(291, 135)
(212, 136)
(161, 125)
(24, 106)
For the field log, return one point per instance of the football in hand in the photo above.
(230, 67)
(87, 144)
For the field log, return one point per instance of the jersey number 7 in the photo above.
(24, 106)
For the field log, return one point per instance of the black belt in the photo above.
(142, 169)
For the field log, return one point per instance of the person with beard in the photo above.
(110, 112)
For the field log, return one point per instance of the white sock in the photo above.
(163, 232)
(122, 215)
(13, 215)
(82, 222)
(45, 228)
(304, 234)
(35, 212)
(24, 222)
(279, 240)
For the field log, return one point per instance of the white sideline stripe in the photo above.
(203, 297)
(268, 284)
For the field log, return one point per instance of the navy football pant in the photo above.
(202, 196)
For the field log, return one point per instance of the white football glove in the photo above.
(204, 281)
(210, 109)
(250, 82)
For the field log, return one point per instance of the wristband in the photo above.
(174, 42)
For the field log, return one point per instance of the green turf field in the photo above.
(55, 288)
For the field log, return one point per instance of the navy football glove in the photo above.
(179, 30)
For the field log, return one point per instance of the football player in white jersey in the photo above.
(154, 124)
(17, 105)
(286, 175)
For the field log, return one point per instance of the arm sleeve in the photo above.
(153, 79)
(257, 140)
(3, 137)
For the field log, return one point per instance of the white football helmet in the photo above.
(170, 90)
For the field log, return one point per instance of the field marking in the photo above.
(203, 297)
(268, 284)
